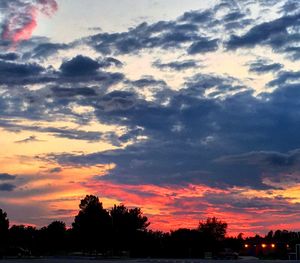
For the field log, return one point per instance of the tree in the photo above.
(92, 226)
(213, 228)
(213, 231)
(4, 226)
(127, 223)
(56, 236)
(185, 243)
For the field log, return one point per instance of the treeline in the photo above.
(121, 231)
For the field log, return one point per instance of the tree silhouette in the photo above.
(185, 243)
(92, 226)
(22, 236)
(213, 231)
(213, 228)
(56, 236)
(4, 226)
(127, 223)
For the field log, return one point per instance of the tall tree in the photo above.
(56, 236)
(4, 226)
(92, 226)
(22, 236)
(127, 223)
(213, 228)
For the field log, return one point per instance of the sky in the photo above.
(187, 109)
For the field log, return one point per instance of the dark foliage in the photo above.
(127, 225)
(4, 225)
(93, 225)
(122, 231)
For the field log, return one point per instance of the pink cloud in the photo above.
(20, 18)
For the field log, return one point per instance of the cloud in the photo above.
(44, 50)
(62, 132)
(79, 69)
(284, 78)
(28, 140)
(7, 177)
(7, 187)
(147, 81)
(174, 136)
(262, 66)
(205, 18)
(274, 33)
(184, 138)
(163, 34)
(79, 65)
(55, 170)
(203, 46)
(9, 56)
(71, 92)
(13, 69)
(290, 7)
(109, 62)
(177, 65)
(235, 202)
(20, 17)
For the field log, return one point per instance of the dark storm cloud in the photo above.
(109, 62)
(205, 17)
(45, 50)
(284, 78)
(72, 134)
(177, 65)
(80, 69)
(274, 33)
(11, 56)
(262, 66)
(147, 81)
(290, 6)
(70, 92)
(163, 34)
(236, 15)
(7, 187)
(19, 73)
(234, 202)
(188, 137)
(194, 134)
(64, 132)
(13, 69)
(7, 177)
(200, 83)
(79, 65)
(279, 168)
(203, 46)
(236, 19)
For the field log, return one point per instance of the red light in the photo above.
(273, 245)
(263, 245)
(246, 245)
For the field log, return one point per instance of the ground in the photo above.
(70, 260)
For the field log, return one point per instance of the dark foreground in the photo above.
(90, 260)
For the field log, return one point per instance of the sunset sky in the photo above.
(185, 108)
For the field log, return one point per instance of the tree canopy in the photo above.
(4, 226)
(93, 224)
(213, 228)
